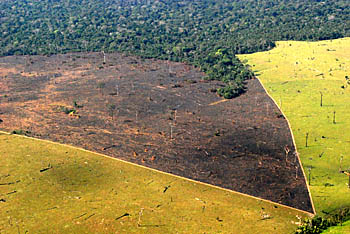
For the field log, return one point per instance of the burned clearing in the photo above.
(158, 114)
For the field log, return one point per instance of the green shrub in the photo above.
(21, 132)
(314, 226)
(319, 224)
(66, 110)
(231, 91)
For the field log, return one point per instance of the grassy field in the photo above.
(344, 229)
(46, 187)
(295, 74)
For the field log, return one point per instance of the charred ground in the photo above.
(158, 114)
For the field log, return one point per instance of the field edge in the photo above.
(169, 174)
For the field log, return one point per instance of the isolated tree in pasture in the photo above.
(309, 171)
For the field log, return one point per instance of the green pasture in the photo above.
(51, 188)
(340, 229)
(296, 74)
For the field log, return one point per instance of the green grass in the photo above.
(83, 192)
(294, 74)
(344, 229)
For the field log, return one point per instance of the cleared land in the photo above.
(46, 187)
(158, 114)
(296, 74)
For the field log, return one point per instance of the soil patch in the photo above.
(156, 113)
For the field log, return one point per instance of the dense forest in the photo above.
(205, 33)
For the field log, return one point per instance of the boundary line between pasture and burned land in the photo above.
(295, 145)
(162, 172)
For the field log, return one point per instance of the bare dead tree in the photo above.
(171, 131)
(140, 215)
(346, 172)
(116, 88)
(104, 57)
(169, 67)
(296, 156)
(25, 63)
(321, 98)
(286, 150)
(334, 117)
(267, 108)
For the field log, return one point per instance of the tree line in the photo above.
(204, 33)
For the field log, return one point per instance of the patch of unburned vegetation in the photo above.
(46, 187)
(310, 83)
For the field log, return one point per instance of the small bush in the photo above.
(21, 132)
(314, 226)
(76, 105)
(231, 91)
(66, 110)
